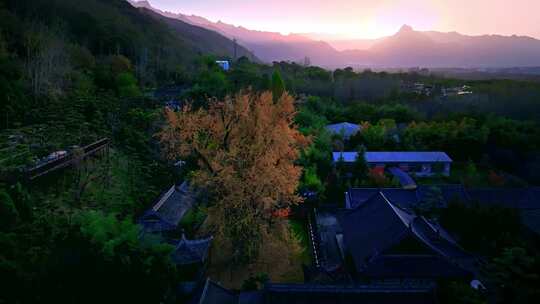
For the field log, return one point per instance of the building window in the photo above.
(438, 167)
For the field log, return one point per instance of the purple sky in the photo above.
(369, 18)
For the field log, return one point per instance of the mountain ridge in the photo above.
(406, 48)
(267, 46)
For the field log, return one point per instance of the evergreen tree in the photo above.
(278, 85)
(360, 168)
(432, 202)
(9, 215)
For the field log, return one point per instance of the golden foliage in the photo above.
(246, 147)
(280, 258)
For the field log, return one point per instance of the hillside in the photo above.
(268, 46)
(114, 27)
(203, 40)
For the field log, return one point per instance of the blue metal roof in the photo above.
(347, 157)
(395, 157)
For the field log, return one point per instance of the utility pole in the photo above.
(235, 45)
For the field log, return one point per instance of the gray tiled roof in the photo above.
(371, 228)
(251, 297)
(169, 209)
(174, 203)
(213, 293)
(358, 196)
(527, 200)
(519, 198)
(407, 199)
(191, 251)
(378, 225)
(345, 128)
(449, 192)
(413, 266)
(403, 198)
(531, 220)
(344, 294)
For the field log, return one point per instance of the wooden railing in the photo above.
(67, 160)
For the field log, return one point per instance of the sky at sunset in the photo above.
(368, 18)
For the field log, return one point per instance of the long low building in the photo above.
(211, 292)
(417, 163)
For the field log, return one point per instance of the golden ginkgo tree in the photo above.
(246, 147)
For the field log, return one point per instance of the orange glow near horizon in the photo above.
(348, 19)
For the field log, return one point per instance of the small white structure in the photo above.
(56, 155)
(224, 64)
(476, 284)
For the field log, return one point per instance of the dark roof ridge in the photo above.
(410, 255)
(400, 213)
(377, 253)
(205, 289)
(429, 241)
(185, 241)
(215, 284)
(357, 208)
(164, 198)
(439, 231)
(354, 288)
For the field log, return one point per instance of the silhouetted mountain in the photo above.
(345, 44)
(435, 49)
(204, 40)
(268, 46)
(407, 48)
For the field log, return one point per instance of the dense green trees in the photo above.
(57, 94)
(483, 229)
(71, 73)
(9, 215)
(515, 273)
(462, 139)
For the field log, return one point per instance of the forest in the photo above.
(72, 74)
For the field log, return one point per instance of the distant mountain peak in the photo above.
(406, 29)
(141, 3)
